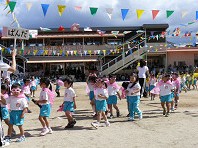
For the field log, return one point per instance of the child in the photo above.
(183, 83)
(44, 101)
(176, 84)
(26, 91)
(133, 93)
(18, 107)
(195, 83)
(69, 102)
(113, 91)
(165, 86)
(152, 84)
(58, 87)
(33, 87)
(147, 87)
(91, 80)
(124, 88)
(101, 96)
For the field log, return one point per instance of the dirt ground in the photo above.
(180, 129)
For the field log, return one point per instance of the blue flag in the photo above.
(124, 13)
(196, 15)
(45, 8)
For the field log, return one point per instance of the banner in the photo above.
(16, 33)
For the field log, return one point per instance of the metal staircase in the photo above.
(124, 60)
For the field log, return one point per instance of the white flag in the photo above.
(29, 6)
(109, 12)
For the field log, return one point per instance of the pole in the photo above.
(146, 48)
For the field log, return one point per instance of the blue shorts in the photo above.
(167, 98)
(127, 97)
(91, 95)
(195, 82)
(134, 99)
(4, 113)
(15, 117)
(101, 105)
(68, 106)
(57, 87)
(147, 88)
(151, 87)
(112, 99)
(45, 110)
(33, 88)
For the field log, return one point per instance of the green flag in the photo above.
(169, 13)
(12, 5)
(93, 11)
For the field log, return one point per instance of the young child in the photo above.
(176, 84)
(152, 84)
(58, 87)
(113, 91)
(133, 93)
(18, 107)
(26, 91)
(195, 83)
(183, 83)
(165, 89)
(33, 87)
(44, 101)
(69, 102)
(91, 80)
(101, 96)
(4, 108)
(147, 87)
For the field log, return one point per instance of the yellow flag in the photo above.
(61, 52)
(139, 13)
(61, 9)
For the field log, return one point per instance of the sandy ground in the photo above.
(180, 129)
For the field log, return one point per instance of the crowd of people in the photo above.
(104, 93)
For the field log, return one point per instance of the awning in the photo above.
(63, 61)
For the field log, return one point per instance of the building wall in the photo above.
(188, 57)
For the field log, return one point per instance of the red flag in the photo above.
(61, 28)
(155, 13)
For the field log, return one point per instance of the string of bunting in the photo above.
(93, 10)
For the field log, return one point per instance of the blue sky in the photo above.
(35, 18)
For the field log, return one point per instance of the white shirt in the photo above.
(44, 96)
(134, 88)
(69, 94)
(153, 82)
(165, 89)
(17, 103)
(101, 91)
(33, 83)
(4, 66)
(112, 90)
(142, 71)
(26, 90)
(91, 86)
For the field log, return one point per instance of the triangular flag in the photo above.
(12, 5)
(196, 15)
(169, 13)
(155, 13)
(61, 9)
(109, 12)
(29, 6)
(78, 8)
(184, 13)
(124, 13)
(45, 8)
(93, 11)
(139, 13)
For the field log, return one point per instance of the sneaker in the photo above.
(69, 125)
(111, 116)
(44, 131)
(167, 114)
(7, 139)
(128, 115)
(21, 139)
(95, 124)
(140, 116)
(118, 114)
(130, 119)
(50, 130)
(107, 123)
(5, 143)
(172, 109)
(73, 122)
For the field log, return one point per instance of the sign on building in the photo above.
(33, 33)
(17, 33)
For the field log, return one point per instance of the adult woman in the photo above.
(142, 71)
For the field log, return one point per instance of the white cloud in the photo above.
(34, 18)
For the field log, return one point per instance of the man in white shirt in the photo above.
(12, 69)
